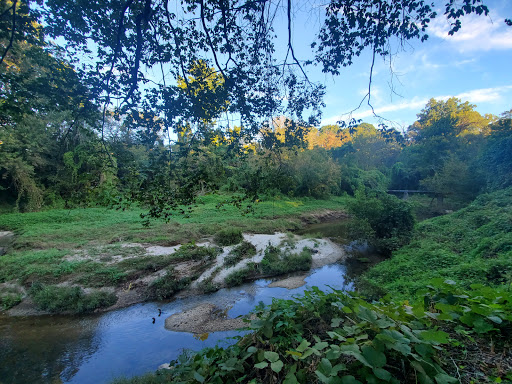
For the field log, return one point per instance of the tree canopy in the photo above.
(123, 44)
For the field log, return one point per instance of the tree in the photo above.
(236, 36)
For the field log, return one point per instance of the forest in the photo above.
(97, 153)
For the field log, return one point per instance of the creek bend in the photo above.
(125, 342)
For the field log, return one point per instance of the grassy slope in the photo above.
(472, 245)
(80, 227)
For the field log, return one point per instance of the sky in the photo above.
(473, 65)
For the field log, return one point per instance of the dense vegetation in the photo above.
(170, 154)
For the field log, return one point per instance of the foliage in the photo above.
(69, 299)
(194, 252)
(165, 287)
(237, 254)
(277, 261)
(470, 246)
(229, 236)
(9, 300)
(338, 337)
(389, 219)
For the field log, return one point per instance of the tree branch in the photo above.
(11, 40)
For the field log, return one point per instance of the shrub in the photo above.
(389, 219)
(166, 286)
(228, 236)
(69, 299)
(191, 251)
(10, 300)
(238, 277)
(242, 251)
(277, 262)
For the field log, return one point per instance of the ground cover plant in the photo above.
(276, 261)
(240, 252)
(339, 337)
(472, 245)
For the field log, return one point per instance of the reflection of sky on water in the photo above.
(96, 349)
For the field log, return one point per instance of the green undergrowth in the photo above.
(276, 261)
(339, 338)
(69, 299)
(472, 245)
(240, 252)
(168, 285)
(228, 236)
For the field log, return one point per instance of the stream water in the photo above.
(126, 342)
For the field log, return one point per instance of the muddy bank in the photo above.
(204, 318)
(290, 282)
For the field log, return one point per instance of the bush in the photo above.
(228, 236)
(244, 250)
(390, 220)
(10, 300)
(191, 251)
(69, 299)
(238, 277)
(166, 286)
(276, 262)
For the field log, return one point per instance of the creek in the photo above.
(126, 342)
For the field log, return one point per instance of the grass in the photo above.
(237, 254)
(69, 299)
(228, 236)
(470, 246)
(89, 227)
(275, 262)
(166, 286)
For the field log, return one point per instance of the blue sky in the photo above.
(474, 65)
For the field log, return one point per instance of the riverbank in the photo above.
(53, 258)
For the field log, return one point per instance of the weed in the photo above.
(228, 236)
(69, 299)
(278, 262)
(10, 300)
(237, 254)
(166, 286)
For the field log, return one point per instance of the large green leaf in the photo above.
(375, 358)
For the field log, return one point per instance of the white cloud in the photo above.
(478, 33)
(482, 95)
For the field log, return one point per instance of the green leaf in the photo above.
(349, 380)
(436, 337)
(481, 326)
(325, 366)
(336, 322)
(375, 358)
(495, 319)
(382, 374)
(442, 378)
(290, 379)
(261, 365)
(321, 345)
(277, 366)
(322, 377)
(271, 356)
(252, 349)
(303, 345)
(198, 377)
